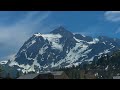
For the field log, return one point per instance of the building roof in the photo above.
(57, 73)
(116, 77)
(28, 76)
(32, 76)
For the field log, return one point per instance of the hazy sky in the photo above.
(17, 26)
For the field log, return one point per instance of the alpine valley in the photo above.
(60, 48)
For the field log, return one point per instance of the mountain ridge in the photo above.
(60, 48)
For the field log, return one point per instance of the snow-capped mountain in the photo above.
(60, 48)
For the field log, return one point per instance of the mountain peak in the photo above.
(62, 31)
(61, 28)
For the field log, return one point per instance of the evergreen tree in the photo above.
(18, 74)
(1, 70)
(8, 76)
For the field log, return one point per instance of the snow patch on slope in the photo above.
(54, 39)
(32, 68)
(30, 43)
(106, 51)
(95, 40)
(104, 43)
(112, 46)
(42, 50)
(78, 40)
(91, 59)
(83, 35)
(73, 55)
(3, 62)
(33, 41)
(57, 46)
(49, 37)
(26, 68)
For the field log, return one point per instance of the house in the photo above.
(59, 75)
(89, 74)
(37, 76)
(45, 75)
(116, 77)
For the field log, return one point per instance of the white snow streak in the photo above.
(95, 40)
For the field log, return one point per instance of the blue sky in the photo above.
(17, 26)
